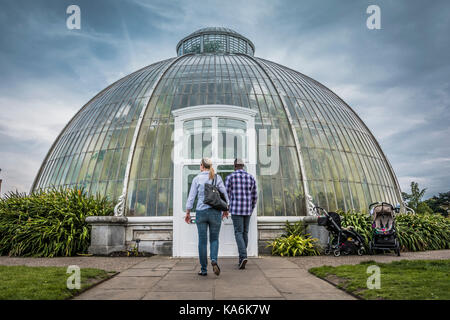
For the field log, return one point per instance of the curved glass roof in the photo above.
(215, 40)
(323, 144)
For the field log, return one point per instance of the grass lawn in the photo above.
(43, 283)
(400, 280)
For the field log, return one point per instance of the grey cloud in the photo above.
(396, 79)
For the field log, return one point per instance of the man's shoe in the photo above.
(243, 263)
(216, 268)
(201, 273)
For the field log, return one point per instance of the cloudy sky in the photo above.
(396, 78)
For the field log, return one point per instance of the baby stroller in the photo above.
(345, 240)
(384, 233)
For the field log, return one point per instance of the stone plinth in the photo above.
(107, 235)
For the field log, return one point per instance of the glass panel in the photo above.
(225, 170)
(197, 138)
(189, 173)
(232, 139)
(163, 197)
(141, 208)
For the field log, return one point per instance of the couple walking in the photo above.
(240, 193)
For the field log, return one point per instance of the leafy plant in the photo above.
(297, 229)
(294, 245)
(417, 232)
(294, 242)
(48, 223)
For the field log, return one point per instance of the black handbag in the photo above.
(214, 198)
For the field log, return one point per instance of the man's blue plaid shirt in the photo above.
(242, 193)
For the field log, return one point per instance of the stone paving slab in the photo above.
(184, 282)
(129, 283)
(97, 293)
(317, 296)
(179, 295)
(132, 272)
(226, 290)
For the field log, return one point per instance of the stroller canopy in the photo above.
(383, 217)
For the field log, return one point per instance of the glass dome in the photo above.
(120, 143)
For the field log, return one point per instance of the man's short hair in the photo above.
(239, 163)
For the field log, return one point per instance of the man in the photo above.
(242, 194)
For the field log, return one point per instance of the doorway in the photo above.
(222, 133)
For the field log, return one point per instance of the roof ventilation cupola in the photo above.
(215, 40)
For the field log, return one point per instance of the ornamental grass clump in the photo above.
(48, 223)
(418, 232)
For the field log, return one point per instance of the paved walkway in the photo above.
(266, 277)
(167, 278)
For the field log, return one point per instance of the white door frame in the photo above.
(214, 112)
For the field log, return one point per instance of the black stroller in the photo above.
(384, 232)
(345, 240)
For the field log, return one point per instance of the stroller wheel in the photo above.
(337, 252)
(360, 251)
(327, 252)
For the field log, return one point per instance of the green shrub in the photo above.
(294, 242)
(296, 229)
(294, 245)
(48, 224)
(419, 232)
(423, 208)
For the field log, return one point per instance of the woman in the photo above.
(206, 216)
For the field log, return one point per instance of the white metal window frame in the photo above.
(213, 112)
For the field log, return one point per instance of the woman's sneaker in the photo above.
(216, 268)
(242, 263)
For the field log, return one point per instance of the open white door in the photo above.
(222, 133)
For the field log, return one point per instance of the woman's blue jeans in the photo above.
(213, 219)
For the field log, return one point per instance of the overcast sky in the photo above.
(397, 78)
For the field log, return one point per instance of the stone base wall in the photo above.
(156, 235)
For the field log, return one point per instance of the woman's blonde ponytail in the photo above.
(207, 164)
(211, 173)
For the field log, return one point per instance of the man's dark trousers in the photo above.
(241, 223)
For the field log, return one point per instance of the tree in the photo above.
(414, 199)
(440, 203)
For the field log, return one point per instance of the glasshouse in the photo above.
(140, 142)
